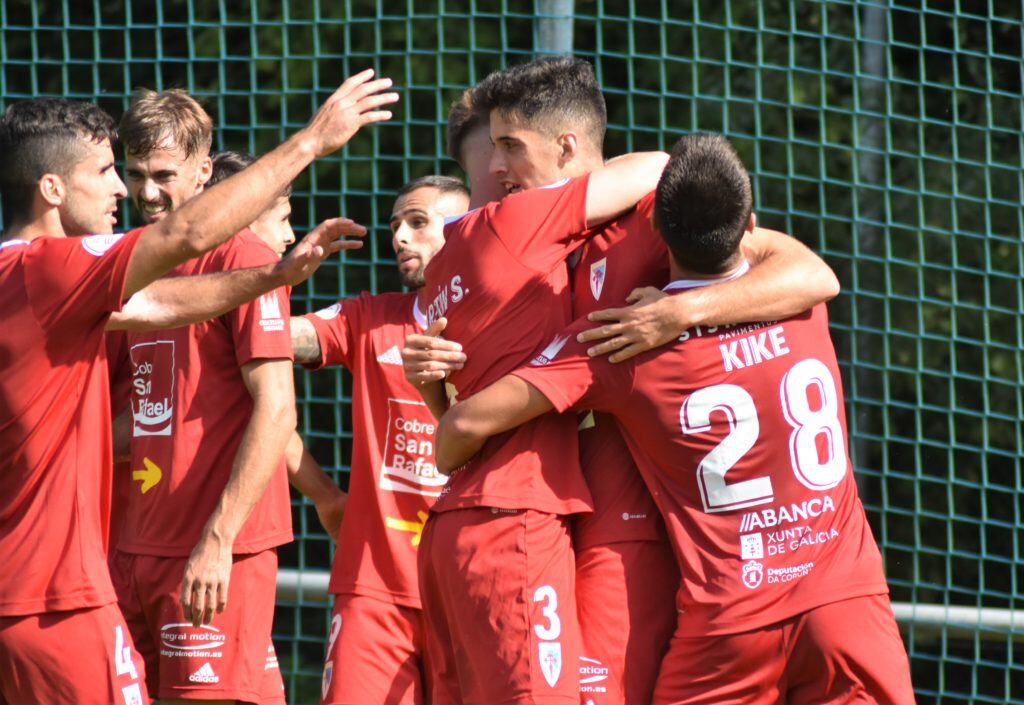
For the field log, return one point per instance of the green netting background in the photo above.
(885, 135)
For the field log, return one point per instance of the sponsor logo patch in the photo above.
(97, 245)
(182, 640)
(550, 654)
(753, 574)
(409, 450)
(549, 353)
(204, 674)
(152, 388)
(391, 356)
(751, 546)
(597, 276)
(593, 674)
(132, 694)
(270, 313)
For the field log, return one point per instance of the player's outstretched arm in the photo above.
(180, 301)
(204, 586)
(306, 475)
(464, 428)
(621, 183)
(785, 279)
(215, 215)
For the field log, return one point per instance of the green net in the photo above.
(885, 135)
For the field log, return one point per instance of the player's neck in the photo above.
(46, 224)
(678, 272)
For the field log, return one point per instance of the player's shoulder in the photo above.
(243, 249)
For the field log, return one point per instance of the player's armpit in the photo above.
(463, 430)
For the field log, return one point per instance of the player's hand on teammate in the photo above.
(323, 241)
(354, 104)
(204, 587)
(427, 357)
(653, 319)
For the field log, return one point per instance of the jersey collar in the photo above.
(679, 284)
(13, 242)
(417, 315)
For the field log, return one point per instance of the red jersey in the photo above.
(502, 282)
(190, 408)
(622, 255)
(120, 367)
(55, 459)
(740, 431)
(394, 480)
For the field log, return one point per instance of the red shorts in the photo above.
(81, 656)
(232, 658)
(374, 654)
(498, 589)
(626, 593)
(845, 652)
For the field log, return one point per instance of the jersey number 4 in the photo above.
(813, 469)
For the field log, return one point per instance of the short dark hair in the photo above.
(464, 117)
(228, 163)
(153, 117)
(703, 203)
(549, 95)
(444, 184)
(43, 136)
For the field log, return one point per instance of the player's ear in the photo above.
(205, 170)
(568, 145)
(52, 189)
(752, 222)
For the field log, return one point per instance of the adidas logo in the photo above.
(390, 357)
(205, 674)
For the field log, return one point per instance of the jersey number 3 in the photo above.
(813, 469)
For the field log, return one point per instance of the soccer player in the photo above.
(212, 409)
(625, 571)
(57, 293)
(468, 142)
(740, 432)
(375, 652)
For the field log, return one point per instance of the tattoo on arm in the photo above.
(305, 344)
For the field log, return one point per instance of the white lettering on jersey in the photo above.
(270, 313)
(408, 464)
(772, 517)
(153, 388)
(97, 245)
(754, 349)
(453, 293)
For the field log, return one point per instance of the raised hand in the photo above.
(428, 358)
(353, 105)
(322, 242)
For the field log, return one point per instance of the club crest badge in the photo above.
(550, 661)
(597, 275)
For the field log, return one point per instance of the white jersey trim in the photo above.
(417, 315)
(697, 283)
(12, 242)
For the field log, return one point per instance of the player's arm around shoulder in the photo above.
(466, 426)
(621, 183)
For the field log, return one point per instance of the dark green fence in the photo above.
(886, 135)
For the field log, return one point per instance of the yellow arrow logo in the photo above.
(149, 477)
(416, 527)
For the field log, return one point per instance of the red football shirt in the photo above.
(394, 480)
(190, 410)
(55, 297)
(740, 432)
(120, 367)
(622, 255)
(502, 282)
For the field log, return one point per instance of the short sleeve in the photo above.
(335, 326)
(542, 226)
(571, 379)
(260, 328)
(78, 280)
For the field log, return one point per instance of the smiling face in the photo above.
(93, 189)
(274, 226)
(525, 158)
(417, 224)
(164, 179)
